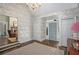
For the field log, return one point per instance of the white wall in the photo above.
(37, 29)
(20, 11)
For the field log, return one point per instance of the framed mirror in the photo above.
(8, 30)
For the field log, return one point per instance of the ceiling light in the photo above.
(34, 6)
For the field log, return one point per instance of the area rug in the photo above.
(36, 49)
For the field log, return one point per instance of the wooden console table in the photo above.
(72, 49)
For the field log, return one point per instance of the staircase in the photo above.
(9, 46)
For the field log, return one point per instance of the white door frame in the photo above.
(47, 23)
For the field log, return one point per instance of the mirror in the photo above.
(8, 30)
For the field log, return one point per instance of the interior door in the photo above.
(52, 31)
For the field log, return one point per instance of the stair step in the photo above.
(6, 47)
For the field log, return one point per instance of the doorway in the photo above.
(51, 33)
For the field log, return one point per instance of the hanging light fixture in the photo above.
(34, 6)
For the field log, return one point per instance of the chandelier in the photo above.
(34, 6)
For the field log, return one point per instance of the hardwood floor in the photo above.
(51, 43)
(55, 44)
(45, 42)
(64, 48)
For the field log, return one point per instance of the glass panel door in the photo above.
(52, 31)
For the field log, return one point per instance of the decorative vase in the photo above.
(75, 36)
(75, 30)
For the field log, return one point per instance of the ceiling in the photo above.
(47, 8)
